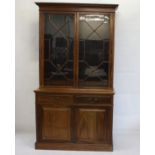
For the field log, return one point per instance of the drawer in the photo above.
(90, 99)
(55, 99)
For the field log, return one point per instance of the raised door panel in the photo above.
(93, 125)
(56, 123)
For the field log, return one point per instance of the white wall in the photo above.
(126, 76)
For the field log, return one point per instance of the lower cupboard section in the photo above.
(75, 126)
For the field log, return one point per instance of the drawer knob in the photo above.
(56, 97)
(95, 99)
(92, 99)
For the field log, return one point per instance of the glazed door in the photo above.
(94, 49)
(60, 66)
(58, 49)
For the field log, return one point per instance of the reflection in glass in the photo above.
(58, 50)
(93, 50)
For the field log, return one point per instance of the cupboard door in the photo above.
(56, 123)
(94, 125)
(58, 48)
(94, 49)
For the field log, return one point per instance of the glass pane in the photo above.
(58, 49)
(93, 50)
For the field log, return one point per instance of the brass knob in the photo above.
(95, 99)
(56, 97)
(90, 99)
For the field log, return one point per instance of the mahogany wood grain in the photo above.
(93, 99)
(77, 7)
(41, 49)
(73, 117)
(73, 146)
(56, 123)
(75, 90)
(54, 99)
